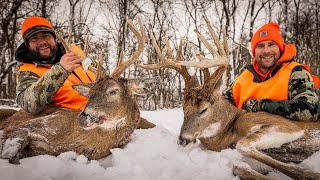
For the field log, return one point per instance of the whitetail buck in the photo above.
(107, 121)
(218, 124)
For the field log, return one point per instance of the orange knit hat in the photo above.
(270, 31)
(35, 24)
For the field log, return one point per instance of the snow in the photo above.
(151, 154)
(10, 147)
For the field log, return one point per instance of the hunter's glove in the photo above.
(252, 105)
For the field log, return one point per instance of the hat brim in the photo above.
(38, 29)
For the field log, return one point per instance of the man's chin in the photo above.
(46, 57)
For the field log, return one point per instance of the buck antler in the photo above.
(66, 45)
(68, 48)
(220, 58)
(122, 65)
(170, 62)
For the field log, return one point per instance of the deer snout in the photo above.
(86, 120)
(183, 142)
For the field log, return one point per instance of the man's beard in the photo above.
(51, 57)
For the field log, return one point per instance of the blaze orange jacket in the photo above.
(66, 96)
(275, 88)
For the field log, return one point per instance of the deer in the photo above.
(217, 124)
(107, 121)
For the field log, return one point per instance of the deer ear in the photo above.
(142, 87)
(83, 89)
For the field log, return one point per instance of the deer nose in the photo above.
(85, 120)
(82, 120)
(183, 142)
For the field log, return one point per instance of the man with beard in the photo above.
(274, 82)
(47, 72)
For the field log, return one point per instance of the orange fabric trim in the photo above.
(275, 88)
(66, 96)
(316, 81)
(315, 78)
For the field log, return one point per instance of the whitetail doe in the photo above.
(107, 121)
(218, 124)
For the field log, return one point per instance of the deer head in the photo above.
(204, 109)
(111, 103)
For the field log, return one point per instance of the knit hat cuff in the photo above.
(37, 29)
(270, 31)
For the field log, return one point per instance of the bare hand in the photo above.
(70, 61)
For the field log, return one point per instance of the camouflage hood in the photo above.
(23, 54)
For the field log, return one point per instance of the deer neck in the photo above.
(226, 137)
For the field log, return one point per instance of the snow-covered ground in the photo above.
(152, 154)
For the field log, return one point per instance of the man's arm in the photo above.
(303, 103)
(227, 94)
(35, 93)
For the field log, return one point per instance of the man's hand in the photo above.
(252, 105)
(70, 61)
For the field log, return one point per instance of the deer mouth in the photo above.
(113, 124)
(184, 141)
(88, 122)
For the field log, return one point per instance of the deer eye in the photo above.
(92, 96)
(203, 111)
(113, 92)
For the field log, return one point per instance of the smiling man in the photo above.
(274, 82)
(47, 72)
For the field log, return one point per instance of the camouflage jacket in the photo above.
(303, 102)
(34, 93)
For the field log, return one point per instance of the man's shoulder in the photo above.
(299, 72)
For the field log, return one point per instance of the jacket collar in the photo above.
(23, 54)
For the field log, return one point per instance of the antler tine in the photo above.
(163, 63)
(214, 37)
(205, 42)
(64, 43)
(120, 60)
(86, 46)
(100, 73)
(184, 71)
(169, 63)
(69, 37)
(141, 40)
(225, 43)
(219, 59)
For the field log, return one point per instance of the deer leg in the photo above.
(13, 147)
(145, 124)
(244, 171)
(266, 138)
(5, 113)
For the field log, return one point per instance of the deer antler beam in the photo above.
(141, 41)
(204, 63)
(64, 43)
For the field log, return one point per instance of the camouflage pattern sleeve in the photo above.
(227, 94)
(34, 93)
(303, 103)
